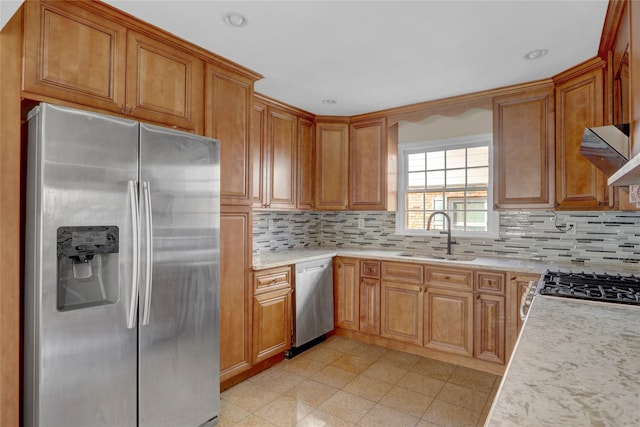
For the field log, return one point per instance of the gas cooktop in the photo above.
(616, 288)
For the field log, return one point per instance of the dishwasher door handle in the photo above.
(318, 267)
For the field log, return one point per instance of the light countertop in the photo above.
(576, 363)
(292, 256)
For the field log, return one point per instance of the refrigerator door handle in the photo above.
(135, 233)
(149, 249)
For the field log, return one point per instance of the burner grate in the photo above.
(591, 286)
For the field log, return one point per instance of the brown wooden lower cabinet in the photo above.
(370, 305)
(235, 291)
(448, 321)
(271, 324)
(346, 290)
(489, 328)
(402, 312)
(516, 285)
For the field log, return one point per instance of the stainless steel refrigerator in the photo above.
(121, 273)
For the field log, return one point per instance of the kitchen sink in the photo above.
(438, 256)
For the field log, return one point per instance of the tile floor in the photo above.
(343, 382)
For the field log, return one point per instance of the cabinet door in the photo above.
(489, 325)
(235, 291)
(259, 150)
(401, 316)
(164, 83)
(579, 104)
(306, 163)
(228, 109)
(448, 321)
(368, 165)
(516, 285)
(74, 55)
(332, 165)
(271, 324)
(281, 181)
(370, 306)
(524, 150)
(347, 293)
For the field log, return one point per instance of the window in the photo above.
(451, 175)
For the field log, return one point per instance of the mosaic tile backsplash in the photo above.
(599, 237)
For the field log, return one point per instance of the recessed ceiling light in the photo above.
(235, 19)
(536, 54)
(329, 101)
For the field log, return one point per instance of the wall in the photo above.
(471, 122)
(600, 237)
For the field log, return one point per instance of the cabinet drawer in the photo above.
(403, 273)
(271, 279)
(370, 269)
(449, 278)
(490, 282)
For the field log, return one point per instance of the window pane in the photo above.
(415, 201)
(438, 221)
(434, 201)
(415, 220)
(476, 220)
(416, 162)
(456, 158)
(435, 160)
(479, 195)
(453, 199)
(435, 180)
(478, 156)
(416, 180)
(478, 177)
(455, 178)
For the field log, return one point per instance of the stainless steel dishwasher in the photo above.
(313, 304)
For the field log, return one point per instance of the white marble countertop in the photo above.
(293, 256)
(576, 363)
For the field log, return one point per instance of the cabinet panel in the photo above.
(271, 279)
(403, 272)
(370, 268)
(489, 328)
(281, 181)
(332, 165)
(489, 281)
(449, 278)
(516, 285)
(164, 84)
(227, 112)
(524, 150)
(74, 55)
(235, 292)
(579, 104)
(368, 165)
(370, 305)
(347, 293)
(271, 324)
(306, 163)
(258, 152)
(448, 321)
(401, 314)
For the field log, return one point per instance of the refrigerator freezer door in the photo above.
(178, 346)
(80, 356)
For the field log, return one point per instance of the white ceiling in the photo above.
(372, 55)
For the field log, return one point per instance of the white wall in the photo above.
(7, 9)
(471, 122)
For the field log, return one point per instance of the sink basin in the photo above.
(438, 256)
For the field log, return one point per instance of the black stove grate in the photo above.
(591, 286)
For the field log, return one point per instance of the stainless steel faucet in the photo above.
(448, 228)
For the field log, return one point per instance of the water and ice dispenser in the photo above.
(87, 266)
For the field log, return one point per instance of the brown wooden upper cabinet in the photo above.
(76, 54)
(227, 113)
(306, 163)
(332, 165)
(524, 149)
(372, 165)
(281, 153)
(579, 104)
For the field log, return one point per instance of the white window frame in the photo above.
(406, 148)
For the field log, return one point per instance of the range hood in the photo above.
(607, 147)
